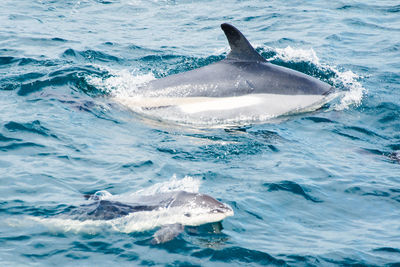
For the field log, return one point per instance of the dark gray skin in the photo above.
(242, 72)
(108, 209)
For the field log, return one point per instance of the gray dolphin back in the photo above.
(105, 210)
(242, 72)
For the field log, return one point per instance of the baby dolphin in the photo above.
(171, 211)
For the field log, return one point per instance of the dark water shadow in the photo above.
(291, 187)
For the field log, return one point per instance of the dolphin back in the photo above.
(105, 210)
(242, 72)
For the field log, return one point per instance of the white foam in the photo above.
(122, 83)
(188, 184)
(356, 90)
(99, 195)
(296, 55)
(220, 51)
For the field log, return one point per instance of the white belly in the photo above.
(225, 110)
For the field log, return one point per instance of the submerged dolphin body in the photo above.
(171, 211)
(243, 83)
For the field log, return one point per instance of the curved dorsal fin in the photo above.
(241, 49)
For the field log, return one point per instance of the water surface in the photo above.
(320, 188)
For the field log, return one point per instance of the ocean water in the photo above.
(320, 188)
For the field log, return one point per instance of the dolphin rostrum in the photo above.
(170, 210)
(243, 83)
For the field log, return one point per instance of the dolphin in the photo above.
(170, 210)
(243, 83)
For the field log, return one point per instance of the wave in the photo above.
(31, 82)
(16, 146)
(92, 56)
(34, 127)
(23, 61)
(292, 187)
(31, 127)
(239, 254)
(371, 8)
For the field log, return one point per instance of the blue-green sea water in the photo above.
(314, 189)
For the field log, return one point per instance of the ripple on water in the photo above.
(390, 193)
(291, 187)
(238, 255)
(30, 127)
(92, 56)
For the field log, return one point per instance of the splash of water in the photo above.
(290, 54)
(188, 184)
(122, 83)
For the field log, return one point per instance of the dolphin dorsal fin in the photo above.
(241, 49)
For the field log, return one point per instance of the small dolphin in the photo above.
(242, 84)
(171, 211)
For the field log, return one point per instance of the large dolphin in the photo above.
(170, 210)
(243, 83)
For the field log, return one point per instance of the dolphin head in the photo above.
(213, 205)
(200, 208)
